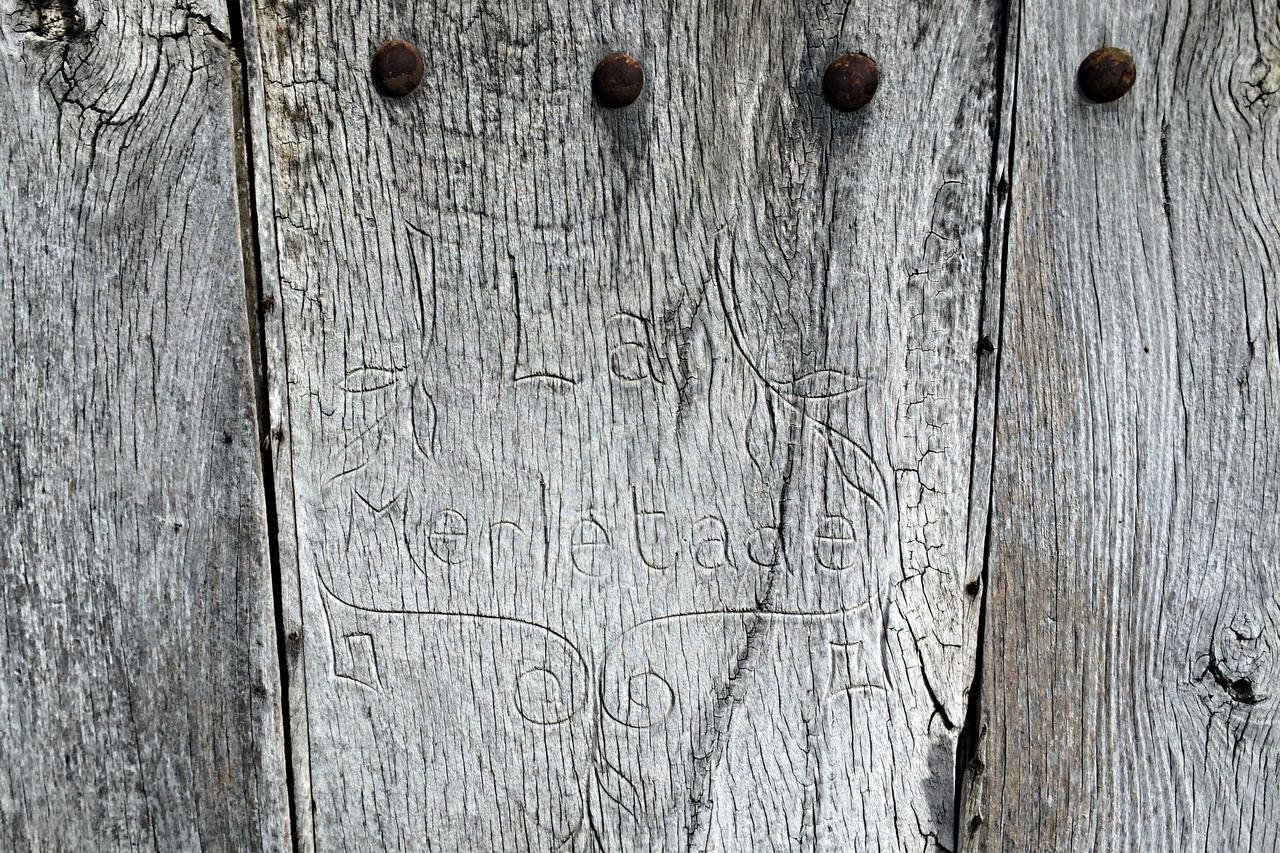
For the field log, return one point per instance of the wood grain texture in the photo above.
(260, 189)
(1131, 665)
(139, 703)
(629, 453)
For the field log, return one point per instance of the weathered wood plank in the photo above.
(630, 451)
(280, 449)
(1131, 670)
(139, 704)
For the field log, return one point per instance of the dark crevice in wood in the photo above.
(228, 39)
(54, 20)
(1238, 689)
(968, 761)
(255, 304)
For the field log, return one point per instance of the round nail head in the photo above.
(618, 80)
(1106, 74)
(850, 81)
(397, 68)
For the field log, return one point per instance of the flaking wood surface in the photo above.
(628, 453)
(139, 700)
(1132, 664)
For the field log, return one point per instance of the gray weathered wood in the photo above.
(139, 703)
(1132, 662)
(280, 449)
(549, 377)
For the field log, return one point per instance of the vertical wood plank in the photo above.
(1131, 670)
(139, 704)
(630, 451)
(274, 369)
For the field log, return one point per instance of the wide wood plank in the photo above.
(139, 701)
(1132, 662)
(629, 452)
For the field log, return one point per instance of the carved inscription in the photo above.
(597, 545)
(656, 541)
(762, 546)
(629, 347)
(849, 669)
(589, 548)
(448, 536)
(359, 663)
(546, 690)
(706, 550)
(650, 699)
(835, 543)
(423, 416)
(544, 696)
(711, 543)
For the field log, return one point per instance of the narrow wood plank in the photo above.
(1131, 669)
(279, 448)
(630, 451)
(139, 704)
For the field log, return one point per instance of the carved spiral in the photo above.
(544, 698)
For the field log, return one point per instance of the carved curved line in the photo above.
(596, 777)
(774, 382)
(653, 719)
(590, 802)
(691, 614)
(844, 475)
(567, 845)
(735, 336)
(360, 436)
(854, 383)
(549, 377)
(371, 505)
(851, 689)
(420, 420)
(558, 845)
(458, 614)
(650, 351)
(333, 648)
(551, 719)
(746, 611)
(348, 472)
(353, 382)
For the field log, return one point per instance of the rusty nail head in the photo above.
(397, 68)
(1106, 74)
(850, 81)
(618, 80)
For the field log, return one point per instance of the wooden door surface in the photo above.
(630, 451)
(139, 701)
(1131, 658)
(492, 469)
